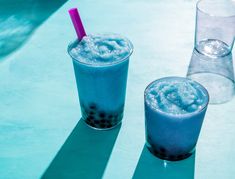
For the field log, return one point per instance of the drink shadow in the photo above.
(150, 167)
(19, 19)
(84, 154)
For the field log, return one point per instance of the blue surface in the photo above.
(39, 130)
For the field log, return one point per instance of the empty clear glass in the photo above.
(211, 63)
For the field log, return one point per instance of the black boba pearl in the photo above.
(102, 125)
(179, 157)
(156, 152)
(106, 123)
(96, 122)
(102, 121)
(92, 106)
(172, 157)
(102, 114)
(162, 155)
(91, 117)
(110, 116)
(88, 119)
(162, 150)
(91, 113)
(92, 124)
(109, 125)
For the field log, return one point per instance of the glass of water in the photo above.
(211, 63)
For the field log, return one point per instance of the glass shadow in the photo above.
(84, 154)
(150, 167)
(19, 19)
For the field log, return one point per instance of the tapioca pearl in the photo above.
(102, 125)
(88, 122)
(156, 152)
(162, 150)
(172, 157)
(92, 113)
(110, 116)
(92, 106)
(102, 121)
(179, 157)
(163, 155)
(88, 119)
(106, 123)
(102, 114)
(92, 124)
(96, 121)
(91, 117)
(152, 150)
(92, 121)
(109, 125)
(109, 121)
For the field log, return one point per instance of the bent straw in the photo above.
(77, 23)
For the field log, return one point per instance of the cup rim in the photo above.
(210, 14)
(189, 114)
(71, 44)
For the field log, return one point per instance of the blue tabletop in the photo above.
(41, 134)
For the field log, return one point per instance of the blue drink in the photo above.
(174, 111)
(101, 66)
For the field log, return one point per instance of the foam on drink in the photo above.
(176, 97)
(101, 49)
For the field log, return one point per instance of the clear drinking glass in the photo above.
(211, 63)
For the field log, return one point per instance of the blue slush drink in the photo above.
(174, 111)
(101, 66)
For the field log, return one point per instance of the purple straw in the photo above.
(77, 23)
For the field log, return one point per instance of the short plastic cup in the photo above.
(101, 89)
(173, 136)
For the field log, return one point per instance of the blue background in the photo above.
(40, 131)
